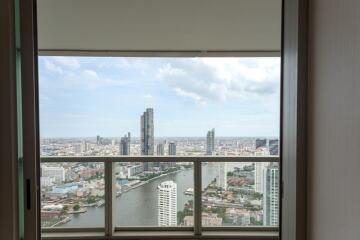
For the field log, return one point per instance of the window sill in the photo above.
(244, 235)
(72, 235)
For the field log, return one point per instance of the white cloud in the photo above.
(50, 66)
(194, 96)
(203, 80)
(71, 72)
(90, 74)
(220, 79)
(67, 62)
(91, 79)
(148, 96)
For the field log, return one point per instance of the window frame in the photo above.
(119, 232)
(293, 122)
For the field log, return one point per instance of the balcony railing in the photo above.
(197, 231)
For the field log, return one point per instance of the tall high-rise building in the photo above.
(125, 145)
(77, 148)
(172, 148)
(84, 146)
(160, 149)
(258, 177)
(167, 204)
(274, 147)
(147, 135)
(98, 140)
(221, 178)
(210, 142)
(134, 170)
(171, 152)
(260, 143)
(271, 195)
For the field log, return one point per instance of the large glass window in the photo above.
(152, 119)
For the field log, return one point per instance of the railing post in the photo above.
(197, 197)
(110, 195)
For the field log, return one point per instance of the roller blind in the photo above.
(159, 25)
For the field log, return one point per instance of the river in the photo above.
(138, 207)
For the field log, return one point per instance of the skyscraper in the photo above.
(167, 204)
(84, 146)
(271, 195)
(160, 149)
(260, 143)
(210, 142)
(172, 148)
(171, 152)
(274, 147)
(147, 135)
(125, 145)
(98, 140)
(77, 148)
(258, 177)
(221, 179)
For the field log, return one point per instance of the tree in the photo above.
(76, 207)
(258, 195)
(65, 209)
(180, 217)
(90, 200)
(230, 174)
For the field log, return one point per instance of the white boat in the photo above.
(189, 191)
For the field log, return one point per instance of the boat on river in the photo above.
(189, 192)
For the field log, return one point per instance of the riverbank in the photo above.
(138, 207)
(141, 183)
(65, 220)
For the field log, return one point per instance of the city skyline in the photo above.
(83, 97)
(148, 146)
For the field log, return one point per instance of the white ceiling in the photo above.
(108, 26)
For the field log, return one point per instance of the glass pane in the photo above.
(107, 106)
(160, 197)
(72, 195)
(240, 194)
(102, 106)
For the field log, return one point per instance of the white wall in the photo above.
(334, 120)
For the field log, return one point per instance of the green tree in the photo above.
(65, 209)
(91, 199)
(76, 207)
(230, 174)
(258, 195)
(180, 217)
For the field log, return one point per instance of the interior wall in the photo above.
(334, 120)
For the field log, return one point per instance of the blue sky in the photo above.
(84, 97)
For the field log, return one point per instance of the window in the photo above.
(186, 144)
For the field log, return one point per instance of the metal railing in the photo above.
(110, 231)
